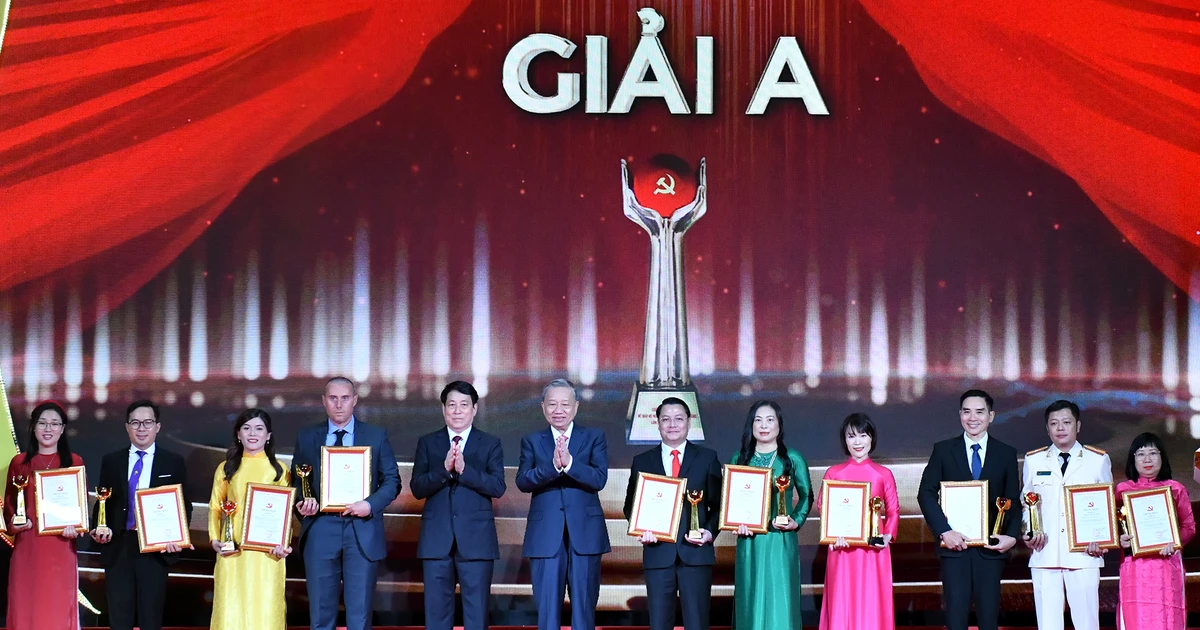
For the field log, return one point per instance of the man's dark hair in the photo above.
(977, 393)
(461, 387)
(138, 404)
(671, 400)
(1059, 405)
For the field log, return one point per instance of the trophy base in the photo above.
(19, 520)
(643, 417)
(103, 530)
(780, 522)
(229, 546)
(695, 535)
(993, 541)
(875, 541)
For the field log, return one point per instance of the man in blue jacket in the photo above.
(564, 467)
(343, 548)
(458, 470)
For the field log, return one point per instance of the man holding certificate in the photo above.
(458, 470)
(683, 565)
(135, 582)
(971, 569)
(342, 549)
(1054, 567)
(564, 466)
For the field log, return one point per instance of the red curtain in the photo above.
(1107, 91)
(128, 126)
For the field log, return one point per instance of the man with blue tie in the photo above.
(969, 572)
(564, 467)
(458, 470)
(343, 551)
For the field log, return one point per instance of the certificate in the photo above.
(844, 511)
(345, 476)
(61, 497)
(1091, 516)
(161, 518)
(657, 506)
(745, 498)
(267, 521)
(965, 505)
(1152, 521)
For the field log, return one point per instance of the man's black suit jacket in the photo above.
(168, 468)
(458, 507)
(949, 463)
(702, 470)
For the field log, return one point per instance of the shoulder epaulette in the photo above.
(1036, 451)
(1094, 450)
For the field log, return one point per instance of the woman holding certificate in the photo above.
(858, 580)
(249, 585)
(44, 575)
(1151, 589)
(767, 573)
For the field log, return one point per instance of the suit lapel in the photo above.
(960, 456)
(689, 455)
(656, 463)
(575, 442)
(548, 443)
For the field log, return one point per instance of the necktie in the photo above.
(674, 463)
(1066, 457)
(976, 462)
(133, 484)
(457, 439)
(340, 434)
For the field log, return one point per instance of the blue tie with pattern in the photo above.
(976, 462)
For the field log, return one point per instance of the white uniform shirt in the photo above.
(1043, 475)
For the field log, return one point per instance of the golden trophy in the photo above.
(102, 495)
(876, 538)
(19, 518)
(1123, 518)
(228, 507)
(695, 497)
(1033, 500)
(781, 515)
(304, 471)
(1002, 504)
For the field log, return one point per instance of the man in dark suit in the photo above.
(683, 566)
(564, 466)
(136, 583)
(343, 549)
(970, 572)
(458, 471)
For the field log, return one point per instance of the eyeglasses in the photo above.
(53, 426)
(1147, 455)
(142, 424)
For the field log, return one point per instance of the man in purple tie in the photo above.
(458, 470)
(136, 583)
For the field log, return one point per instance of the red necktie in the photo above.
(674, 463)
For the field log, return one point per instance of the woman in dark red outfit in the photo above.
(44, 577)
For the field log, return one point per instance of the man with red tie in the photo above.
(683, 566)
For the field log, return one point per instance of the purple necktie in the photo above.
(133, 485)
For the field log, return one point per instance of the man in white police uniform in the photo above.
(1054, 566)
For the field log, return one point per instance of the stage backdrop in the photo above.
(219, 204)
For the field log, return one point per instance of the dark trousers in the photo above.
(970, 576)
(694, 586)
(475, 579)
(551, 576)
(333, 559)
(136, 586)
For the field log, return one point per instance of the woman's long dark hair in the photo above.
(64, 447)
(748, 440)
(233, 457)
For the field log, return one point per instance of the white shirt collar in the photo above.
(983, 441)
(149, 450)
(465, 434)
(557, 434)
(666, 450)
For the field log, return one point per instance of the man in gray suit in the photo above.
(343, 549)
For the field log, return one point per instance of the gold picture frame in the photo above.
(328, 456)
(662, 491)
(859, 489)
(749, 479)
(963, 495)
(160, 498)
(265, 495)
(62, 480)
(1109, 503)
(1146, 502)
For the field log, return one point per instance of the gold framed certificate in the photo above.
(161, 518)
(657, 506)
(745, 498)
(267, 521)
(1091, 516)
(345, 476)
(61, 497)
(1151, 520)
(966, 508)
(845, 508)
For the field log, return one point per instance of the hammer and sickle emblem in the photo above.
(666, 185)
